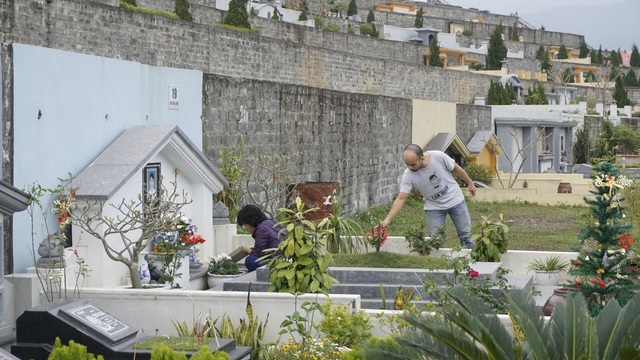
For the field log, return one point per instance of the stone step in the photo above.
(368, 283)
(349, 275)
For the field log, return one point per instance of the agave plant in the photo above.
(343, 238)
(471, 330)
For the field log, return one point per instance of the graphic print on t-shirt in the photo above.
(435, 182)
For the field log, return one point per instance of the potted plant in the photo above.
(548, 269)
(221, 268)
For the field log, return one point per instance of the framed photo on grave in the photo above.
(151, 184)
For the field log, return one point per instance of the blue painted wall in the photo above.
(85, 102)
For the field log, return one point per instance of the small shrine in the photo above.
(136, 167)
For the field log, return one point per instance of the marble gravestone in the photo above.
(85, 324)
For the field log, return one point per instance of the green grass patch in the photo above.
(388, 260)
(531, 226)
(174, 342)
(166, 14)
(238, 29)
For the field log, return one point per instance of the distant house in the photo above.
(451, 144)
(123, 171)
(534, 145)
(484, 149)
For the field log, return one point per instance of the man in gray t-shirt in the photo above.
(430, 174)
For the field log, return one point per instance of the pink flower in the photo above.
(473, 273)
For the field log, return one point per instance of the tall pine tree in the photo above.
(599, 272)
(594, 56)
(419, 22)
(371, 17)
(562, 52)
(584, 49)
(434, 53)
(620, 94)
(237, 15)
(497, 50)
(600, 60)
(514, 33)
(352, 9)
(634, 61)
(304, 11)
(631, 79)
(182, 10)
(615, 58)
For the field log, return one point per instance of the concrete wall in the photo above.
(132, 306)
(354, 139)
(431, 118)
(313, 57)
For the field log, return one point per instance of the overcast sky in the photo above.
(611, 23)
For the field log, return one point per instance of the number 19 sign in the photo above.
(174, 97)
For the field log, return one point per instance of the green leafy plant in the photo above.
(332, 27)
(164, 352)
(301, 266)
(128, 6)
(419, 242)
(318, 21)
(343, 326)
(479, 172)
(465, 275)
(73, 351)
(551, 263)
(491, 239)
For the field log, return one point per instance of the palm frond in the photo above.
(531, 321)
(618, 327)
(481, 323)
(449, 335)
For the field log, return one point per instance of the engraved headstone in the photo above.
(88, 325)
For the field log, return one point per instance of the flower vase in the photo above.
(145, 274)
(215, 280)
(557, 297)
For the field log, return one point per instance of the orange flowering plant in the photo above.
(377, 237)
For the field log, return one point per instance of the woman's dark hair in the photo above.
(250, 215)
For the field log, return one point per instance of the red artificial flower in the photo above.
(576, 262)
(375, 236)
(578, 283)
(602, 284)
(62, 218)
(634, 271)
(190, 239)
(473, 273)
(594, 281)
